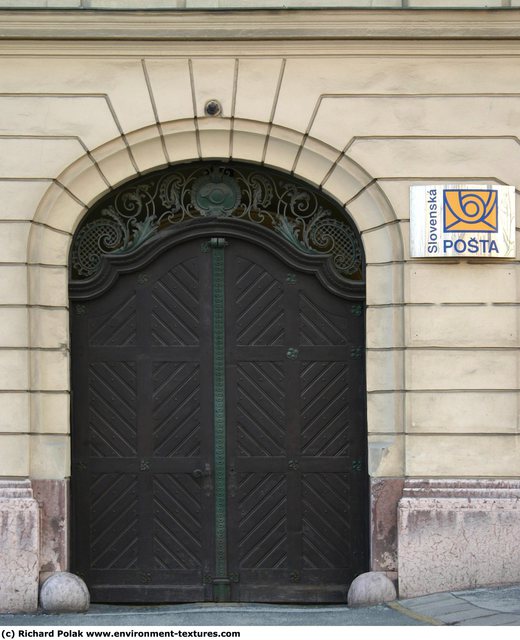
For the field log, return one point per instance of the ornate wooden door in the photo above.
(295, 397)
(218, 430)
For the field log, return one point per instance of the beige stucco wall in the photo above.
(363, 119)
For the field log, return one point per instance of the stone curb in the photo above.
(397, 606)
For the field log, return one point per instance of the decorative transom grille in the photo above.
(129, 216)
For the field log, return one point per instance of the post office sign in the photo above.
(462, 220)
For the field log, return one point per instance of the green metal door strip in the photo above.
(221, 581)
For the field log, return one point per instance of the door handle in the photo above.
(206, 474)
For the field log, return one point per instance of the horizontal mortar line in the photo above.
(440, 391)
(64, 349)
(50, 94)
(34, 391)
(438, 304)
(385, 434)
(390, 223)
(51, 228)
(47, 307)
(405, 95)
(443, 304)
(454, 476)
(475, 349)
(399, 305)
(402, 262)
(436, 137)
(44, 137)
(37, 224)
(458, 433)
(33, 264)
(490, 262)
(476, 304)
(440, 178)
(34, 433)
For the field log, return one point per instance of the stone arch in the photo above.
(82, 183)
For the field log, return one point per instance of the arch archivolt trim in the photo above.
(76, 189)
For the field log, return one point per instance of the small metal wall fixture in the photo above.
(213, 108)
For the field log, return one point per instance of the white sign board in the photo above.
(462, 220)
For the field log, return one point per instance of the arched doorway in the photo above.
(219, 438)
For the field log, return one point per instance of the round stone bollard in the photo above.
(370, 588)
(64, 593)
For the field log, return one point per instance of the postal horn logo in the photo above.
(470, 211)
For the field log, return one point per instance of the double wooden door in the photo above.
(218, 431)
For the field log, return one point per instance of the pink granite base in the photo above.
(19, 546)
(385, 494)
(53, 498)
(458, 534)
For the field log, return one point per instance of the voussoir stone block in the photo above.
(64, 592)
(370, 588)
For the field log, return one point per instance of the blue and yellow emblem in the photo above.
(470, 211)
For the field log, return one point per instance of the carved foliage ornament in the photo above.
(134, 213)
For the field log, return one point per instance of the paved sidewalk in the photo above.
(477, 607)
(215, 615)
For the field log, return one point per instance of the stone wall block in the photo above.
(147, 148)
(14, 461)
(385, 455)
(114, 162)
(384, 284)
(346, 181)
(446, 529)
(315, 161)
(282, 148)
(48, 285)
(215, 138)
(171, 88)
(19, 541)
(477, 412)
(20, 198)
(249, 145)
(385, 412)
(466, 283)
(256, 88)
(213, 79)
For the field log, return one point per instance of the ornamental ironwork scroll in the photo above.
(128, 217)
